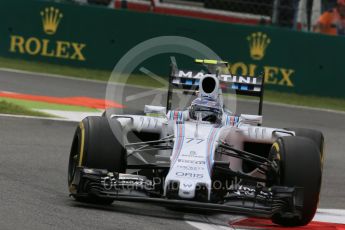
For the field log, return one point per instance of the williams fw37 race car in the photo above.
(202, 156)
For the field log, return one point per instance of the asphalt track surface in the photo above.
(34, 157)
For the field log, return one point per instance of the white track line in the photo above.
(51, 75)
(143, 87)
(215, 222)
(72, 78)
(36, 118)
(208, 226)
(221, 222)
(330, 215)
(297, 107)
(71, 115)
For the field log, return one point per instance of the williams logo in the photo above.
(51, 18)
(44, 46)
(258, 43)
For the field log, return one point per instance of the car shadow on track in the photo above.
(150, 210)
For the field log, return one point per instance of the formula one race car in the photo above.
(201, 157)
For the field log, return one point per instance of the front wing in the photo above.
(258, 202)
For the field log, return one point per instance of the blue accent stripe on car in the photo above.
(209, 139)
(179, 142)
(212, 145)
(180, 116)
(189, 82)
(244, 87)
(236, 120)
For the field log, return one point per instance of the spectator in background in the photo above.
(332, 22)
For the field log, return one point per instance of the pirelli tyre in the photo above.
(95, 146)
(299, 166)
(314, 135)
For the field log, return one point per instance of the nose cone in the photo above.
(191, 162)
(187, 189)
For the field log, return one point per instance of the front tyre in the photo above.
(312, 134)
(95, 146)
(299, 166)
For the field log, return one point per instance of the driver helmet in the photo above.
(206, 109)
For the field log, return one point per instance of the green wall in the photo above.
(96, 37)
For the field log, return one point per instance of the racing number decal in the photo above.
(198, 141)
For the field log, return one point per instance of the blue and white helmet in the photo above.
(207, 109)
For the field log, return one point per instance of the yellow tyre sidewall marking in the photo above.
(82, 141)
(322, 155)
(276, 147)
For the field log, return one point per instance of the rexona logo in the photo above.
(259, 43)
(46, 46)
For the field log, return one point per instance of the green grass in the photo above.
(11, 108)
(41, 67)
(102, 75)
(301, 100)
(92, 74)
(43, 105)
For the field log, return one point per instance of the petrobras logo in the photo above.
(190, 168)
(192, 154)
(206, 102)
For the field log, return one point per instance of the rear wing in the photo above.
(188, 81)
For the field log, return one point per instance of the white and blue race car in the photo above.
(201, 157)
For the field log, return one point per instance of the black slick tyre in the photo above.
(299, 166)
(312, 134)
(95, 146)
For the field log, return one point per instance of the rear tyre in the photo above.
(95, 146)
(299, 166)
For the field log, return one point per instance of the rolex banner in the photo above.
(97, 37)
